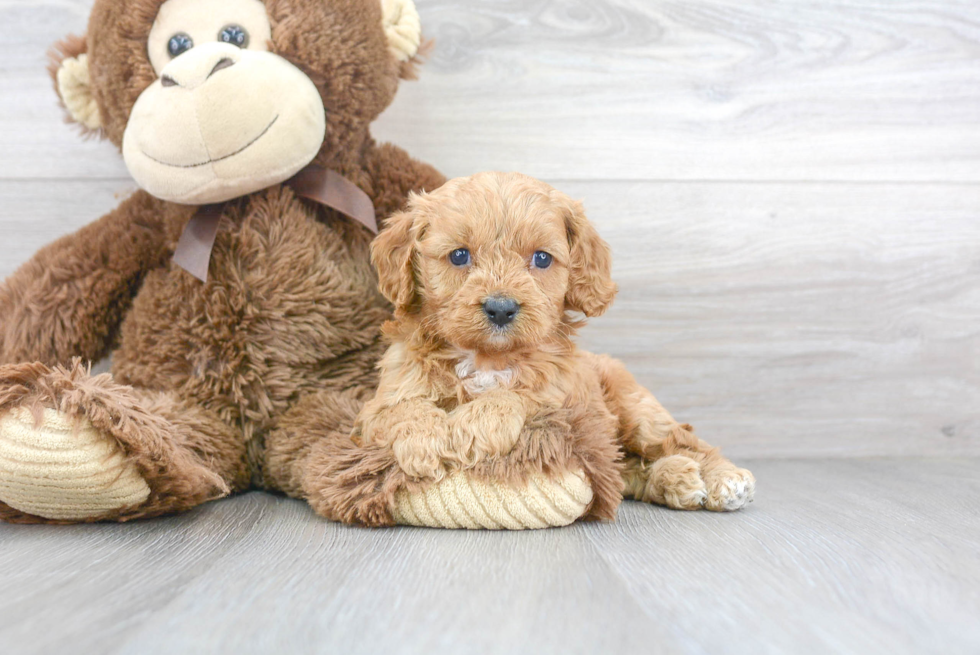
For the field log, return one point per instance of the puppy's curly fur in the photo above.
(508, 398)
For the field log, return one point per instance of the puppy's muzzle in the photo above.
(501, 311)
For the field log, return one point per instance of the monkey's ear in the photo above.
(69, 70)
(403, 27)
(590, 286)
(393, 254)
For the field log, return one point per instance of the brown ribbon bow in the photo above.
(327, 187)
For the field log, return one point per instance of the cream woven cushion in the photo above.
(460, 501)
(61, 470)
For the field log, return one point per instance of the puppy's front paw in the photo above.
(417, 432)
(422, 447)
(728, 489)
(487, 426)
(416, 456)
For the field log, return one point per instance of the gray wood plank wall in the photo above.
(792, 192)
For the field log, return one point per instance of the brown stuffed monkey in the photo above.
(220, 103)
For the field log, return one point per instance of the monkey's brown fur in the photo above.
(223, 385)
(457, 393)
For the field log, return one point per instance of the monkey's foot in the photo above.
(62, 469)
(78, 448)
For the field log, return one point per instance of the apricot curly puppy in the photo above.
(483, 375)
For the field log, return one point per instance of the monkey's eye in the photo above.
(459, 257)
(235, 35)
(179, 44)
(541, 259)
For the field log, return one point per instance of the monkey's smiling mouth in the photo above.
(214, 161)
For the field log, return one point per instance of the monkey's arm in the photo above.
(69, 299)
(394, 174)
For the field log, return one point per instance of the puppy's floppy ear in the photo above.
(392, 254)
(68, 65)
(590, 286)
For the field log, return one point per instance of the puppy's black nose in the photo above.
(501, 311)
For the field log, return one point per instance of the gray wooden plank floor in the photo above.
(835, 556)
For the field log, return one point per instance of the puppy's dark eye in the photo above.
(459, 257)
(179, 44)
(541, 259)
(235, 35)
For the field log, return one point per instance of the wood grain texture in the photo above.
(856, 556)
(699, 90)
(817, 319)
(624, 89)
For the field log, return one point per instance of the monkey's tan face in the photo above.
(225, 117)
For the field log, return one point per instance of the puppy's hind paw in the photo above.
(729, 489)
(681, 482)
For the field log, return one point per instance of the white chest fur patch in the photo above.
(480, 380)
